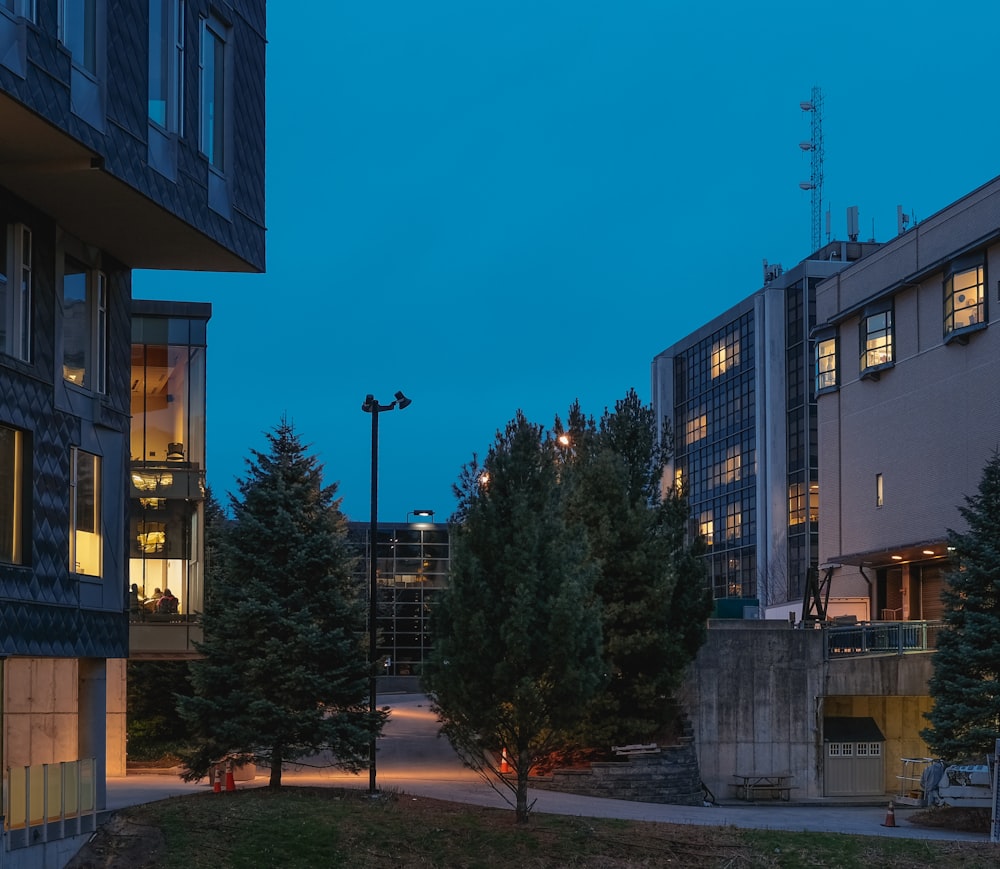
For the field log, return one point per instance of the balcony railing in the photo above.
(880, 638)
(50, 801)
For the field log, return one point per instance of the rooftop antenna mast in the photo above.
(815, 147)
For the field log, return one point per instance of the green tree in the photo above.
(965, 718)
(284, 673)
(655, 599)
(517, 633)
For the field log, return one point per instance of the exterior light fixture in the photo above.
(428, 514)
(370, 405)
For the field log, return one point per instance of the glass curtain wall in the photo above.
(412, 571)
(715, 452)
(167, 468)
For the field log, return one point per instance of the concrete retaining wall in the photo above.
(758, 691)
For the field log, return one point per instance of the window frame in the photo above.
(14, 497)
(827, 360)
(214, 125)
(27, 9)
(76, 498)
(17, 302)
(95, 333)
(166, 33)
(88, 33)
(980, 315)
(877, 350)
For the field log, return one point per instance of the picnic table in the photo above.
(774, 785)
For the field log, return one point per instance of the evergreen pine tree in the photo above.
(284, 673)
(517, 633)
(655, 600)
(965, 718)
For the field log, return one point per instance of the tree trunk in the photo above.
(521, 804)
(277, 760)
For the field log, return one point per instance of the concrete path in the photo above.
(413, 760)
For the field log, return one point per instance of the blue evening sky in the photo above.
(503, 204)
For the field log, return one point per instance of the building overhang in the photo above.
(61, 177)
(907, 553)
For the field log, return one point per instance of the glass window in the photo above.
(76, 323)
(85, 326)
(78, 31)
(876, 340)
(964, 300)
(166, 63)
(213, 92)
(25, 8)
(734, 521)
(879, 493)
(725, 354)
(734, 464)
(706, 527)
(826, 364)
(697, 426)
(85, 513)
(11, 494)
(4, 291)
(15, 291)
(796, 503)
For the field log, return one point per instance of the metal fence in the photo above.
(881, 638)
(50, 801)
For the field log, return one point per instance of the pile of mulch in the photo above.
(963, 820)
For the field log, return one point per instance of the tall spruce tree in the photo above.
(965, 718)
(655, 600)
(284, 673)
(516, 656)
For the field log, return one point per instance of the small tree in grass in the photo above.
(517, 633)
(965, 719)
(284, 674)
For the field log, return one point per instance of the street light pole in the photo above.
(371, 406)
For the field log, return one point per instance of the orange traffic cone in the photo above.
(230, 781)
(504, 766)
(216, 780)
(890, 816)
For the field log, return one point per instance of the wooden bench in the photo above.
(636, 750)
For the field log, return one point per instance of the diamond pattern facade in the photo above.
(95, 182)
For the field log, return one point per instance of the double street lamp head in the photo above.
(370, 405)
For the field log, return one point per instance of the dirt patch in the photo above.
(951, 818)
(121, 843)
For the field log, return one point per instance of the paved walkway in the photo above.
(414, 760)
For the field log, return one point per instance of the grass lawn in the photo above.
(331, 827)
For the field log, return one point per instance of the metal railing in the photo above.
(880, 638)
(50, 801)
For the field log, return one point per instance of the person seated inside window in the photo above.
(168, 604)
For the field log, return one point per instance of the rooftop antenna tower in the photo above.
(815, 146)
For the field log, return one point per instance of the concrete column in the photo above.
(92, 718)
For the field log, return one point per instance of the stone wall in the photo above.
(670, 777)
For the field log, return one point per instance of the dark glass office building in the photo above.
(739, 394)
